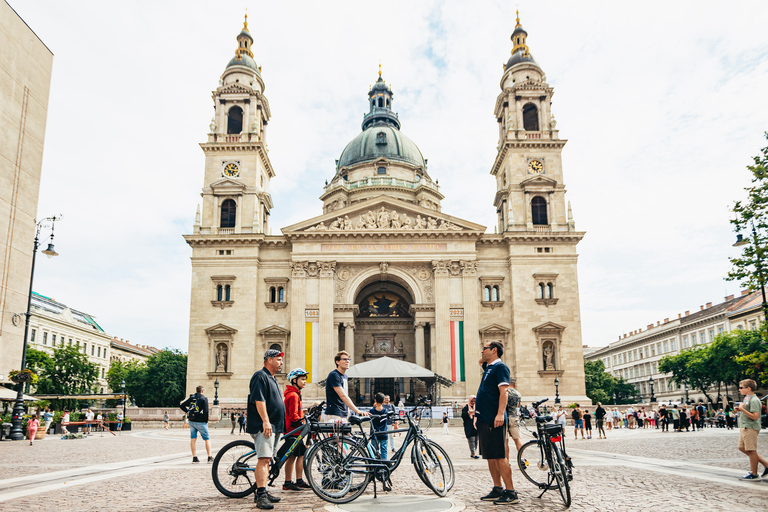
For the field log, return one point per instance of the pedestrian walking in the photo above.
(749, 427)
(266, 421)
(675, 413)
(600, 419)
(391, 420)
(490, 408)
(587, 417)
(32, 424)
(88, 421)
(166, 420)
(337, 398)
(470, 432)
(241, 422)
(233, 420)
(560, 418)
(578, 422)
(664, 418)
(294, 418)
(445, 423)
(119, 418)
(196, 407)
(48, 418)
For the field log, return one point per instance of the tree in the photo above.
(70, 373)
(599, 383)
(748, 267)
(624, 392)
(160, 382)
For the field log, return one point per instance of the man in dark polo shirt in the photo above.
(490, 413)
(266, 421)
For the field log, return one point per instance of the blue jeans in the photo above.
(381, 444)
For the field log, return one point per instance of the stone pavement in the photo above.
(151, 470)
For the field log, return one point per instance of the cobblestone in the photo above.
(608, 474)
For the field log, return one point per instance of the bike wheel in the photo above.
(233, 473)
(332, 471)
(424, 417)
(533, 464)
(434, 467)
(561, 475)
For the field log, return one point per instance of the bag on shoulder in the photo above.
(575, 414)
(195, 408)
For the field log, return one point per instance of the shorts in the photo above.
(513, 428)
(492, 440)
(195, 426)
(578, 423)
(265, 446)
(748, 439)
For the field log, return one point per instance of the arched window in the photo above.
(487, 293)
(541, 290)
(276, 346)
(495, 294)
(388, 104)
(219, 293)
(228, 211)
(381, 102)
(272, 294)
(550, 291)
(235, 120)
(280, 295)
(530, 118)
(539, 211)
(227, 291)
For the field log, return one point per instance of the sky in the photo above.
(663, 105)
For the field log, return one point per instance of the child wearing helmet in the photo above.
(294, 418)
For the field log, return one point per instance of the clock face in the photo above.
(384, 346)
(535, 167)
(231, 170)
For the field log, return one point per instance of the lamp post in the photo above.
(216, 398)
(687, 401)
(557, 391)
(759, 266)
(614, 398)
(17, 432)
(122, 386)
(653, 397)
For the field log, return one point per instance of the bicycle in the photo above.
(339, 468)
(545, 458)
(423, 414)
(234, 467)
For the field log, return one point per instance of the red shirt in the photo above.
(293, 413)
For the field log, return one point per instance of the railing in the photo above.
(232, 138)
(373, 182)
(542, 229)
(532, 135)
(226, 231)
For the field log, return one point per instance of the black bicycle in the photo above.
(234, 467)
(340, 467)
(543, 461)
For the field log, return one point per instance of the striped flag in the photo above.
(457, 351)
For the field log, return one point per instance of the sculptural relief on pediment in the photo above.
(384, 219)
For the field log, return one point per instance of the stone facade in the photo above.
(384, 271)
(635, 356)
(25, 78)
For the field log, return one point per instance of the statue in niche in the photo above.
(360, 223)
(221, 357)
(419, 223)
(549, 357)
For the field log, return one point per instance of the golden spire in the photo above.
(379, 69)
(517, 13)
(245, 23)
(518, 37)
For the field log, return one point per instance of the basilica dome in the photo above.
(381, 140)
(243, 60)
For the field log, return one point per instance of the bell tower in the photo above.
(530, 193)
(237, 168)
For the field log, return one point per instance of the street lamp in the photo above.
(17, 432)
(653, 397)
(687, 401)
(216, 398)
(557, 392)
(122, 386)
(614, 398)
(739, 242)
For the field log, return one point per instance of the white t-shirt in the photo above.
(89, 416)
(65, 419)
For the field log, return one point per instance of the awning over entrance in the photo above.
(386, 367)
(9, 395)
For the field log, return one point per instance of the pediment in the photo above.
(378, 215)
(494, 328)
(538, 181)
(549, 326)
(220, 329)
(235, 88)
(227, 184)
(274, 330)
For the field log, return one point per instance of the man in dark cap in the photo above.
(266, 421)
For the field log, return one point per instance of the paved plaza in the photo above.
(152, 470)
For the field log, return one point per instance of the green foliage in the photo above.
(747, 268)
(38, 360)
(602, 386)
(160, 382)
(69, 373)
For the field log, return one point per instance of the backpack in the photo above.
(195, 408)
(575, 414)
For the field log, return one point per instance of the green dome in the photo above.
(369, 145)
(244, 60)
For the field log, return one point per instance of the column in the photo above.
(419, 327)
(326, 334)
(441, 336)
(472, 345)
(297, 299)
(349, 340)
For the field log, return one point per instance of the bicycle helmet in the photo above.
(297, 372)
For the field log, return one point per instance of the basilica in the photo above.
(383, 271)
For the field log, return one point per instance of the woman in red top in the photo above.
(294, 418)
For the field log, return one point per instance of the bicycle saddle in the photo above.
(359, 420)
(543, 419)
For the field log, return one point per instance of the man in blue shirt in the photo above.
(490, 411)
(337, 391)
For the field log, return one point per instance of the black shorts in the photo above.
(492, 441)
